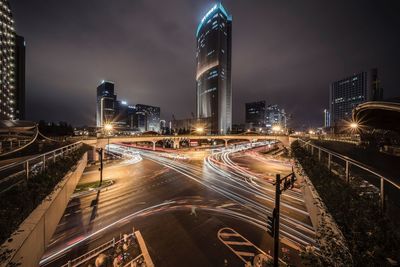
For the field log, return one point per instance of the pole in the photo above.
(276, 228)
(101, 165)
(108, 146)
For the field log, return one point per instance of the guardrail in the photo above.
(14, 173)
(95, 252)
(348, 163)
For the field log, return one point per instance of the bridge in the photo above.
(177, 139)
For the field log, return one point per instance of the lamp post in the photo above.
(200, 130)
(108, 128)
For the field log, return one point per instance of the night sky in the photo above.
(286, 52)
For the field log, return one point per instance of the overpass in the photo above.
(378, 115)
(177, 139)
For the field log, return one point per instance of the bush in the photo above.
(17, 203)
(371, 236)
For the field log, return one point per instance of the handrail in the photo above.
(5, 167)
(20, 148)
(352, 161)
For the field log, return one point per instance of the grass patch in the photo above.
(92, 185)
(372, 238)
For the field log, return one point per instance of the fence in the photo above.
(95, 252)
(16, 172)
(346, 166)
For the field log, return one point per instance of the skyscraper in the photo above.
(255, 114)
(106, 103)
(213, 76)
(147, 118)
(274, 116)
(20, 77)
(347, 93)
(7, 63)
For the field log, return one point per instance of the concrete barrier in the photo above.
(330, 239)
(30, 240)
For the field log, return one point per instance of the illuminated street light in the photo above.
(108, 127)
(200, 130)
(276, 128)
(354, 125)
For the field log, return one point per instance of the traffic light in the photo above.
(293, 179)
(271, 224)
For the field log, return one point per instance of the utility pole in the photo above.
(276, 221)
(273, 221)
(100, 151)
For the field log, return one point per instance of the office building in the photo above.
(327, 118)
(7, 63)
(255, 114)
(213, 75)
(147, 118)
(20, 77)
(347, 93)
(106, 103)
(274, 116)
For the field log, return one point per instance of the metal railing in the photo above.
(16, 172)
(348, 164)
(95, 252)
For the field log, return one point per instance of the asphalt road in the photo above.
(179, 206)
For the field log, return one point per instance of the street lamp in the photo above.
(354, 125)
(108, 128)
(200, 130)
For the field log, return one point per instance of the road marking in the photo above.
(239, 245)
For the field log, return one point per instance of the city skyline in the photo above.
(258, 63)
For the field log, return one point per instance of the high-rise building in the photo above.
(147, 118)
(255, 114)
(213, 76)
(20, 77)
(327, 118)
(7, 63)
(274, 116)
(106, 103)
(347, 93)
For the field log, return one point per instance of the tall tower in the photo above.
(106, 101)
(20, 77)
(7, 63)
(213, 76)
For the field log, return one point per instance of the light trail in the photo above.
(293, 229)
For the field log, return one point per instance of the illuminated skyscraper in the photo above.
(347, 93)
(213, 76)
(106, 102)
(7, 63)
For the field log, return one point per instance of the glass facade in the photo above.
(347, 93)
(213, 76)
(147, 118)
(106, 103)
(255, 114)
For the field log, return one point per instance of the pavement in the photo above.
(179, 206)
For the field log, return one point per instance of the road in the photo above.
(179, 205)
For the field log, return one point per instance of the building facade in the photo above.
(327, 118)
(7, 63)
(106, 103)
(20, 77)
(213, 75)
(347, 93)
(255, 114)
(275, 116)
(147, 118)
